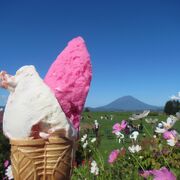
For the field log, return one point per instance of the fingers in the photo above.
(7, 81)
(4, 84)
(3, 75)
(3, 80)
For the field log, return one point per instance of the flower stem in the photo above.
(147, 131)
(138, 162)
(165, 160)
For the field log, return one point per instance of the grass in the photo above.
(108, 141)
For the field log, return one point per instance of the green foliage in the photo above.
(154, 155)
(155, 152)
(4, 153)
(86, 109)
(153, 114)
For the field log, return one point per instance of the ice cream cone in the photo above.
(38, 159)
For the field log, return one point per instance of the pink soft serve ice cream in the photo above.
(69, 78)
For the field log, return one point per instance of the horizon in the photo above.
(129, 96)
(4, 104)
(134, 45)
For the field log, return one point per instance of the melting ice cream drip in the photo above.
(32, 109)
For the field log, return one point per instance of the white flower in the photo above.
(154, 136)
(134, 135)
(164, 126)
(84, 138)
(160, 130)
(134, 148)
(133, 119)
(171, 142)
(85, 144)
(139, 116)
(9, 172)
(150, 120)
(138, 148)
(178, 115)
(173, 138)
(93, 140)
(96, 124)
(170, 122)
(119, 135)
(94, 168)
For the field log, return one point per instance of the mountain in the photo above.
(126, 103)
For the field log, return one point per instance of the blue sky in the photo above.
(134, 45)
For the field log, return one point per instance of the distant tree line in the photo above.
(172, 107)
(86, 109)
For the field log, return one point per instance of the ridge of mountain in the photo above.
(126, 103)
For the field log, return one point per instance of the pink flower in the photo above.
(170, 134)
(6, 163)
(161, 174)
(113, 156)
(123, 124)
(118, 127)
(145, 174)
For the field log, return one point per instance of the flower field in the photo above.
(121, 146)
(128, 147)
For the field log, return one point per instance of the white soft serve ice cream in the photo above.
(32, 104)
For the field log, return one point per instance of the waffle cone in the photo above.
(38, 159)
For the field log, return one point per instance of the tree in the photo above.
(171, 107)
(86, 109)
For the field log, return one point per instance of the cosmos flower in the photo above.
(145, 174)
(84, 138)
(164, 126)
(85, 144)
(111, 117)
(151, 120)
(94, 168)
(6, 163)
(139, 116)
(113, 156)
(119, 136)
(96, 123)
(93, 140)
(134, 148)
(8, 173)
(161, 174)
(171, 137)
(170, 134)
(178, 115)
(118, 127)
(170, 122)
(134, 135)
